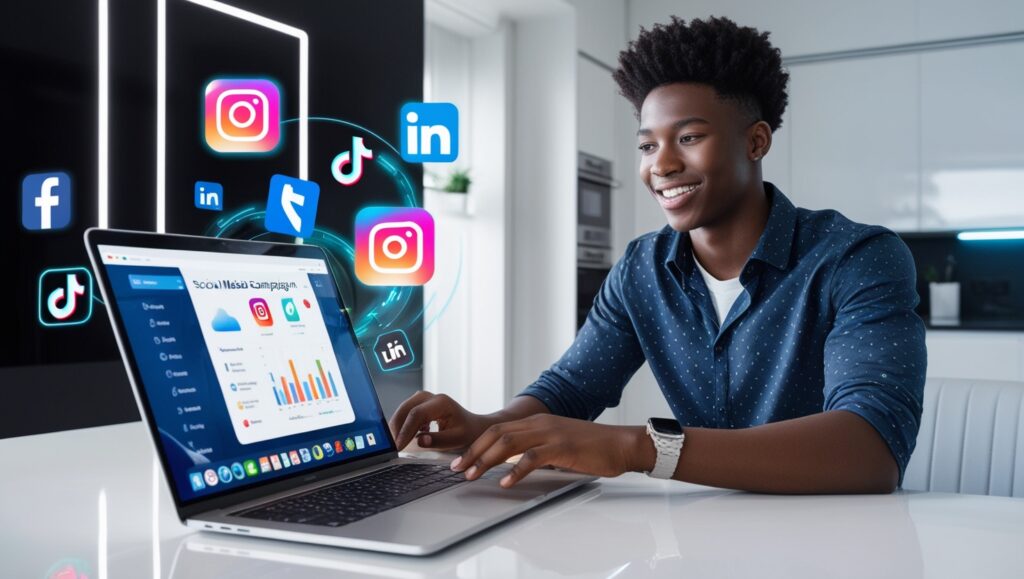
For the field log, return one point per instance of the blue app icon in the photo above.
(328, 449)
(291, 206)
(430, 132)
(224, 473)
(237, 470)
(46, 201)
(209, 196)
(197, 481)
(223, 322)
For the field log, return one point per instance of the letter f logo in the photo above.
(291, 206)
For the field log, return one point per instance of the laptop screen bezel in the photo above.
(95, 237)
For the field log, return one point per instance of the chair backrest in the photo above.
(971, 438)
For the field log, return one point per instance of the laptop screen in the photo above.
(250, 367)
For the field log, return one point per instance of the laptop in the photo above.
(248, 373)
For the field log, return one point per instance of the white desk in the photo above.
(94, 499)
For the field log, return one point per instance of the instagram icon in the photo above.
(394, 246)
(242, 115)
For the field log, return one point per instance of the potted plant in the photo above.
(452, 194)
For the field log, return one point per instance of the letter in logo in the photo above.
(291, 206)
(430, 132)
(393, 350)
(242, 115)
(209, 196)
(68, 296)
(46, 201)
(261, 312)
(353, 159)
(394, 246)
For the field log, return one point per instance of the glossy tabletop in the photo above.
(93, 503)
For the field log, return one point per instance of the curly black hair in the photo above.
(737, 61)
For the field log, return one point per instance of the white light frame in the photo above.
(161, 91)
(102, 116)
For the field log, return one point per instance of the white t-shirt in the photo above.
(723, 292)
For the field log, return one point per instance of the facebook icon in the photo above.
(430, 132)
(46, 201)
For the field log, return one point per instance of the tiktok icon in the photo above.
(65, 296)
(393, 351)
(347, 167)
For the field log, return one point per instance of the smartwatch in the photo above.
(667, 435)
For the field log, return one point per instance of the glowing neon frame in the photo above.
(161, 92)
(990, 235)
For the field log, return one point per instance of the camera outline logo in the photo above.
(242, 116)
(420, 124)
(47, 201)
(394, 246)
(261, 312)
(69, 303)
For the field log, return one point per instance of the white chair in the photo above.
(971, 439)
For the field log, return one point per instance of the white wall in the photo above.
(544, 194)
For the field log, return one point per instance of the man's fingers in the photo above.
(419, 418)
(443, 439)
(497, 444)
(398, 418)
(532, 459)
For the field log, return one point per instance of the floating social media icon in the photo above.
(210, 476)
(393, 350)
(261, 312)
(394, 246)
(65, 296)
(291, 313)
(430, 132)
(196, 479)
(209, 195)
(347, 166)
(46, 201)
(242, 115)
(291, 206)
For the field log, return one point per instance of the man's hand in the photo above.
(457, 427)
(547, 440)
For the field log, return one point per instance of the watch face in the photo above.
(666, 426)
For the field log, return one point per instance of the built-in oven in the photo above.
(593, 230)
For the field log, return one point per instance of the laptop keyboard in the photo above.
(356, 499)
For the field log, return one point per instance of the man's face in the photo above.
(694, 154)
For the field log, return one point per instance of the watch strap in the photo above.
(667, 449)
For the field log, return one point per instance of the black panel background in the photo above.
(366, 60)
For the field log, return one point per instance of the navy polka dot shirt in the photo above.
(826, 321)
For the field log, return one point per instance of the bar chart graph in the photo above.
(303, 388)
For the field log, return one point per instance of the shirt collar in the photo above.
(774, 247)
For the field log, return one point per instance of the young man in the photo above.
(785, 340)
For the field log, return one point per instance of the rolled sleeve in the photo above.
(875, 356)
(592, 373)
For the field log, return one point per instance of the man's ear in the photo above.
(759, 140)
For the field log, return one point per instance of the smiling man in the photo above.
(784, 339)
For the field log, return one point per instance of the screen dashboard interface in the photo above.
(249, 366)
